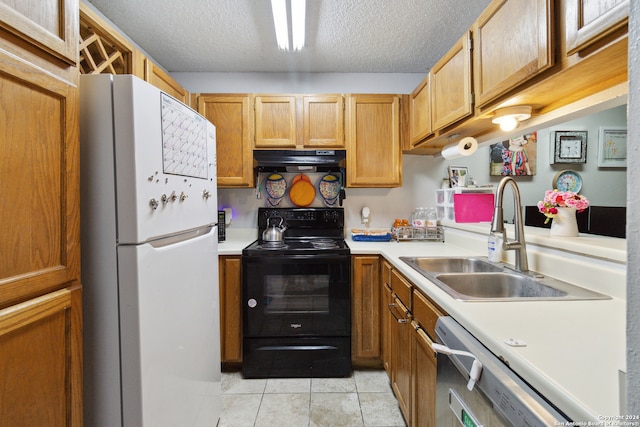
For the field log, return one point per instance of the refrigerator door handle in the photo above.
(182, 237)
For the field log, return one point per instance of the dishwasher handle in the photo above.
(476, 367)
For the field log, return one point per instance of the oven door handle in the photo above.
(394, 306)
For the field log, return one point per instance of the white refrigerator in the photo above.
(151, 325)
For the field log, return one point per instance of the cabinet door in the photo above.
(401, 357)
(323, 121)
(39, 183)
(275, 118)
(229, 271)
(420, 113)
(373, 146)
(40, 361)
(424, 370)
(588, 21)
(365, 303)
(513, 42)
(450, 80)
(386, 327)
(163, 81)
(49, 25)
(231, 116)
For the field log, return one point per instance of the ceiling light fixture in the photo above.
(509, 117)
(279, 10)
(281, 22)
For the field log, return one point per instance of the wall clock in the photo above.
(567, 180)
(570, 147)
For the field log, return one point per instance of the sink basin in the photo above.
(498, 285)
(474, 279)
(450, 265)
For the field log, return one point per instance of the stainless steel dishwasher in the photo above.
(498, 397)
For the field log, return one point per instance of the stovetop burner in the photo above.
(309, 231)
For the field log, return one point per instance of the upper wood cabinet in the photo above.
(588, 21)
(163, 81)
(323, 121)
(420, 113)
(512, 43)
(299, 121)
(450, 80)
(275, 118)
(373, 143)
(49, 25)
(231, 114)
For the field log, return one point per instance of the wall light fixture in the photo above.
(509, 117)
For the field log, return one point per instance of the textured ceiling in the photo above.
(350, 36)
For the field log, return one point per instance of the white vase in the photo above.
(564, 223)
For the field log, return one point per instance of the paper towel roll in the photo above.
(466, 147)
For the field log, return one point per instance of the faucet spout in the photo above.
(497, 224)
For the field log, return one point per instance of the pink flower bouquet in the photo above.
(554, 199)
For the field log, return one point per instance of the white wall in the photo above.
(602, 186)
(299, 83)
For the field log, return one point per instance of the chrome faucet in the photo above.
(497, 224)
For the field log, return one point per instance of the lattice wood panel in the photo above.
(101, 54)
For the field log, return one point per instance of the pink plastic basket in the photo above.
(473, 207)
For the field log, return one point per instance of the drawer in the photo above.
(385, 272)
(402, 288)
(425, 313)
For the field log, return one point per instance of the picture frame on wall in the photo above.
(570, 147)
(458, 176)
(515, 156)
(612, 147)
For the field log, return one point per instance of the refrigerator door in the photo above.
(169, 322)
(165, 163)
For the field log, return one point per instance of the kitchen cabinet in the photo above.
(450, 80)
(589, 21)
(420, 113)
(365, 297)
(230, 282)
(401, 343)
(163, 81)
(104, 50)
(40, 290)
(373, 142)
(275, 118)
(299, 121)
(231, 114)
(512, 43)
(423, 362)
(386, 319)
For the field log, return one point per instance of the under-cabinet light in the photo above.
(509, 117)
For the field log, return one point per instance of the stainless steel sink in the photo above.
(451, 265)
(473, 279)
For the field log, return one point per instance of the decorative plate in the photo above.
(329, 188)
(276, 187)
(302, 193)
(567, 180)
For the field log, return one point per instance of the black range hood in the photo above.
(299, 160)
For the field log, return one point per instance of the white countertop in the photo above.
(574, 348)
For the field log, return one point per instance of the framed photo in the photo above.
(458, 176)
(612, 147)
(570, 147)
(515, 156)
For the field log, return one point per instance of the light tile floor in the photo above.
(363, 400)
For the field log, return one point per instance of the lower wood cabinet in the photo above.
(401, 349)
(386, 319)
(41, 341)
(365, 317)
(230, 279)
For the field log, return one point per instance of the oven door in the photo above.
(286, 296)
